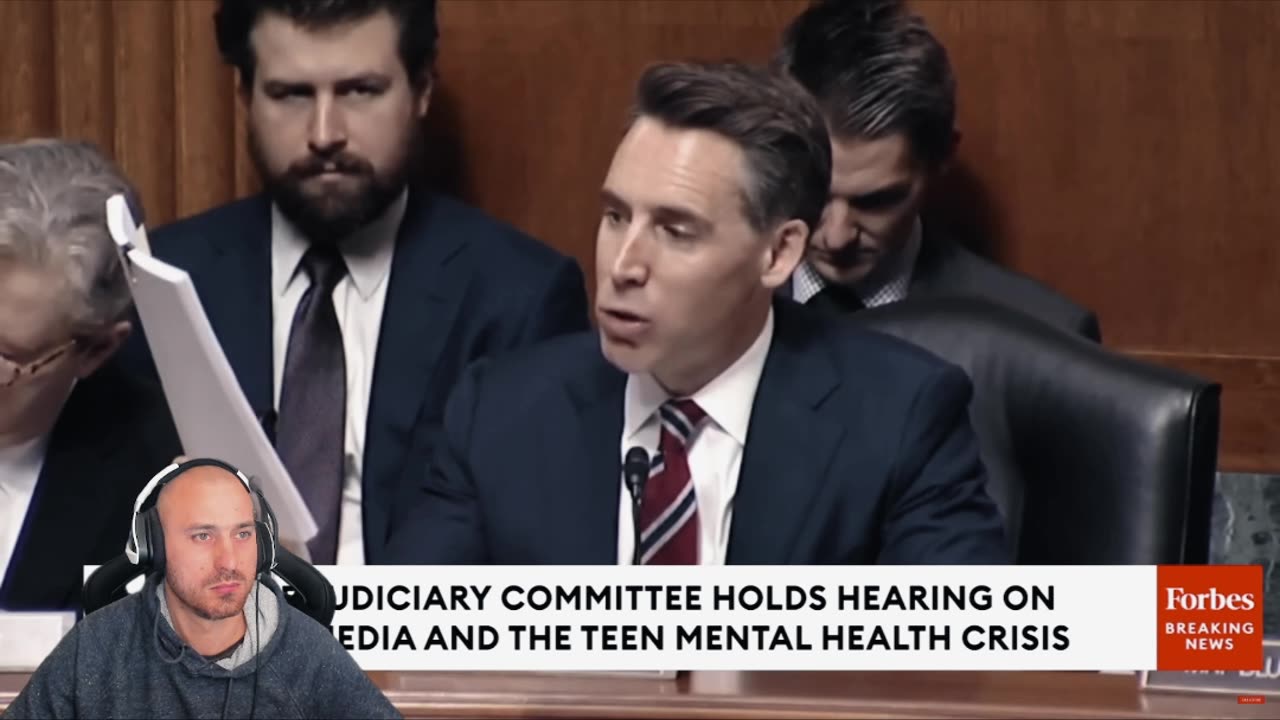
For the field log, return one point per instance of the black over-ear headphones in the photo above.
(145, 547)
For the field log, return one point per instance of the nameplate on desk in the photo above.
(29, 637)
(1264, 681)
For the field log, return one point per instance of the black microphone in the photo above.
(635, 471)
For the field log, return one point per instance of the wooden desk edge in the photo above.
(550, 702)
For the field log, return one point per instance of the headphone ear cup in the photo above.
(154, 540)
(137, 533)
(266, 548)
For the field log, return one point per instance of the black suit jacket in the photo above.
(462, 286)
(945, 267)
(860, 451)
(113, 435)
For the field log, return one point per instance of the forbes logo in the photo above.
(1179, 599)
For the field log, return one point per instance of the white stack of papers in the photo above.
(212, 415)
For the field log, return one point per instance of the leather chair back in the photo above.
(1093, 457)
(306, 587)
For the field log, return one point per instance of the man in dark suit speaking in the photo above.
(887, 91)
(771, 433)
(347, 299)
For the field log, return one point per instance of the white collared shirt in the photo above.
(715, 451)
(806, 282)
(358, 299)
(20, 468)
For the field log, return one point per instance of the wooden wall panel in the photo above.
(1130, 158)
(534, 93)
(204, 112)
(1250, 423)
(83, 71)
(1121, 150)
(26, 56)
(142, 40)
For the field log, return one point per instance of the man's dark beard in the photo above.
(329, 218)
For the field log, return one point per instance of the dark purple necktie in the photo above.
(313, 393)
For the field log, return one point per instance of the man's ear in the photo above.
(424, 87)
(785, 251)
(99, 348)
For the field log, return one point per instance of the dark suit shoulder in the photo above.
(860, 354)
(491, 233)
(126, 419)
(949, 268)
(505, 255)
(180, 236)
(532, 371)
(1017, 285)
(115, 397)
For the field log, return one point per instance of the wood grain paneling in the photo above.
(143, 44)
(83, 72)
(1127, 147)
(1121, 150)
(1250, 439)
(26, 56)
(204, 113)
(540, 90)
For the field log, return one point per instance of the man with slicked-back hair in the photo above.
(888, 95)
(762, 431)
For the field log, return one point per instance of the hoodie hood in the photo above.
(260, 639)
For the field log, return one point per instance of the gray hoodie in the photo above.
(125, 660)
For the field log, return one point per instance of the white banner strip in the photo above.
(580, 618)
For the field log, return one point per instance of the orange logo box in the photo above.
(1209, 617)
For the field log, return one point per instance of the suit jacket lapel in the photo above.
(582, 493)
(789, 445)
(426, 291)
(238, 301)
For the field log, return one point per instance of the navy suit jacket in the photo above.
(463, 285)
(112, 436)
(859, 452)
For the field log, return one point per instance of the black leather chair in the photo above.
(306, 588)
(1093, 457)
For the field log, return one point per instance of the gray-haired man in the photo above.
(78, 436)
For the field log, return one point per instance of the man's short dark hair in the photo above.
(235, 19)
(778, 126)
(876, 70)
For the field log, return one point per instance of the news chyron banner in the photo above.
(627, 619)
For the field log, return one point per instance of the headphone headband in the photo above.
(144, 553)
(176, 469)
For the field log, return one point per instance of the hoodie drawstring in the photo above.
(227, 703)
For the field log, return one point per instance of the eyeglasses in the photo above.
(11, 371)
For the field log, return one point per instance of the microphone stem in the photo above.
(635, 529)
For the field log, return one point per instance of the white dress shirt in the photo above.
(20, 468)
(806, 282)
(358, 299)
(714, 452)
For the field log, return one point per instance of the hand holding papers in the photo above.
(210, 410)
